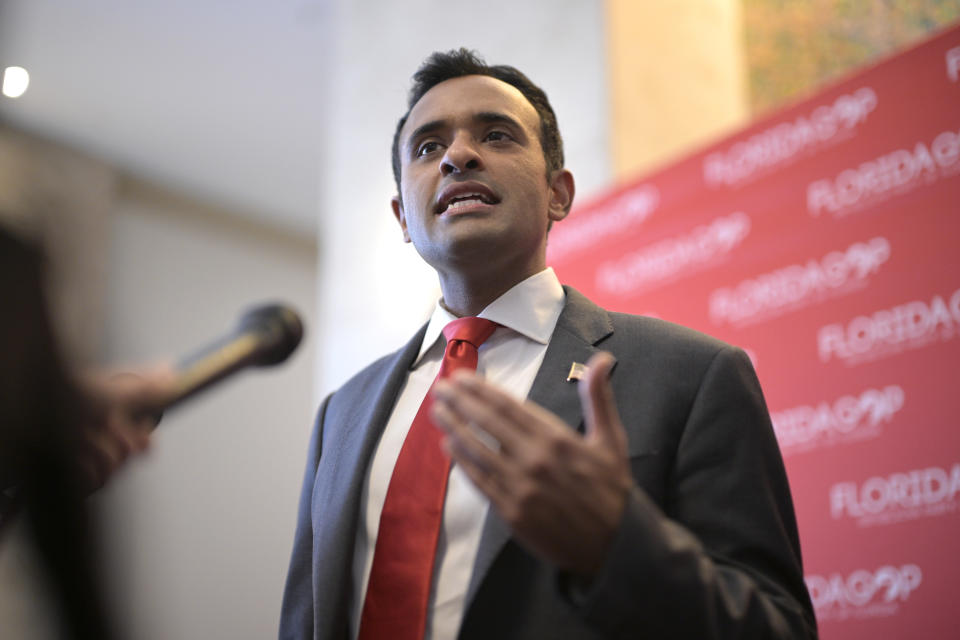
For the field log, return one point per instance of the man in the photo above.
(647, 500)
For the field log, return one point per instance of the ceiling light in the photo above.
(15, 81)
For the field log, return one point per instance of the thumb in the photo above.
(599, 408)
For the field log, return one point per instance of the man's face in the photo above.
(474, 184)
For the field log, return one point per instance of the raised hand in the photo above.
(562, 493)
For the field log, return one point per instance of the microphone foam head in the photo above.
(279, 331)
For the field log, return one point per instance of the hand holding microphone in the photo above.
(113, 428)
(123, 408)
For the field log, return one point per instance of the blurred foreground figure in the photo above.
(59, 439)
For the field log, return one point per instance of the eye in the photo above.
(498, 135)
(427, 147)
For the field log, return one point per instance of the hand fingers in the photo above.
(111, 435)
(131, 433)
(599, 407)
(500, 414)
(101, 455)
(480, 459)
(477, 411)
(489, 484)
(141, 388)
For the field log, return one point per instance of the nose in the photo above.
(460, 156)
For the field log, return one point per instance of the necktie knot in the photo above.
(471, 329)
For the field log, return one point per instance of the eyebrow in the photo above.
(487, 117)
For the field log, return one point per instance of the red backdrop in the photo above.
(823, 240)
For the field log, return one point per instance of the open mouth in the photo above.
(464, 196)
(462, 202)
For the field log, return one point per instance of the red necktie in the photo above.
(399, 588)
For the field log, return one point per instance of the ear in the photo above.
(561, 194)
(397, 206)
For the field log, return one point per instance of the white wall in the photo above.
(198, 533)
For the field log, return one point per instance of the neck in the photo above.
(464, 296)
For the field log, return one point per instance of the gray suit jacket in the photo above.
(707, 547)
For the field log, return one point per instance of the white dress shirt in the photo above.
(511, 358)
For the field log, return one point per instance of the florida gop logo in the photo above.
(627, 211)
(798, 285)
(863, 593)
(777, 145)
(884, 332)
(849, 418)
(880, 178)
(669, 259)
(898, 497)
(952, 58)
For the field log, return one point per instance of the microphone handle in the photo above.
(201, 370)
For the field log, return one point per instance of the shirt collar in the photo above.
(531, 308)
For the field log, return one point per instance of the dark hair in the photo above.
(456, 63)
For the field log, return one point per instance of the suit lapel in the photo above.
(581, 325)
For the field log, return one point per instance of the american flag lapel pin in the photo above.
(577, 371)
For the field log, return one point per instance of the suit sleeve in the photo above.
(720, 557)
(296, 613)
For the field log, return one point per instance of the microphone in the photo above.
(264, 336)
